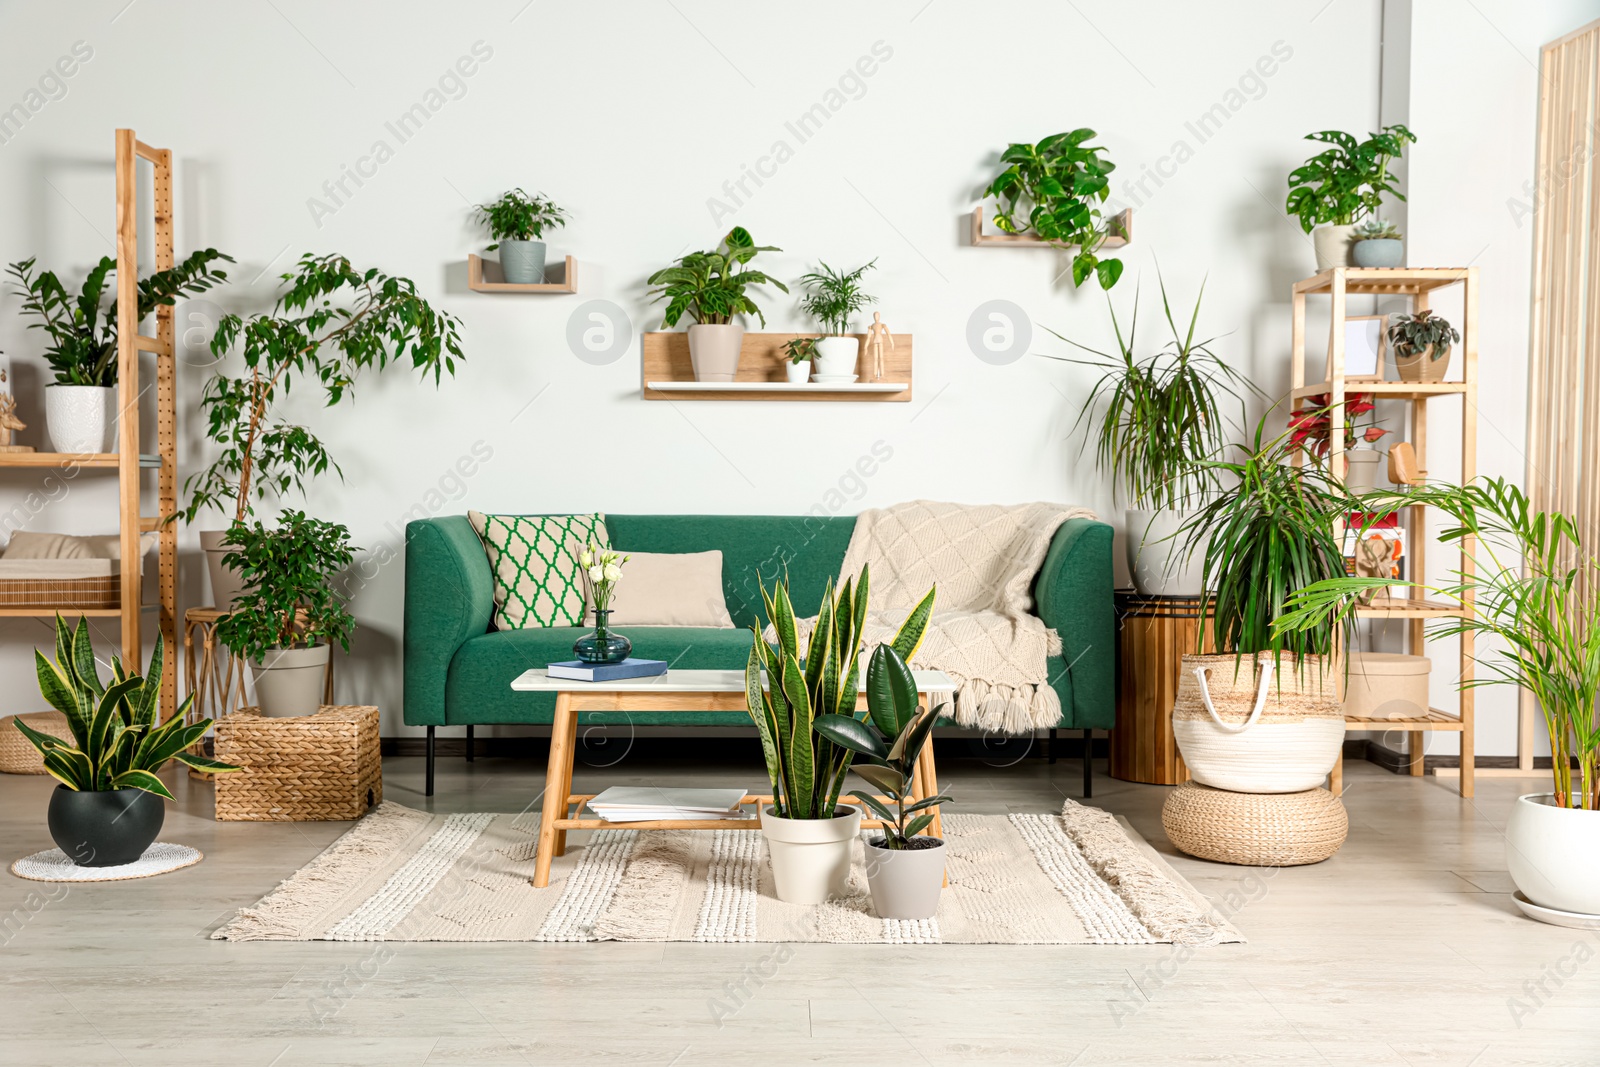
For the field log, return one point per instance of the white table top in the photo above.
(537, 681)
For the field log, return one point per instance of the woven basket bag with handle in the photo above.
(1258, 724)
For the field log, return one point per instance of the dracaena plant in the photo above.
(710, 287)
(1054, 190)
(289, 600)
(516, 216)
(118, 739)
(889, 740)
(834, 296)
(806, 769)
(1347, 181)
(83, 328)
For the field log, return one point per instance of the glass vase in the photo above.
(602, 646)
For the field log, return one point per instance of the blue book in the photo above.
(608, 672)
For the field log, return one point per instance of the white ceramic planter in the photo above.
(837, 355)
(1156, 557)
(522, 261)
(1332, 246)
(714, 350)
(226, 586)
(811, 857)
(1361, 470)
(798, 373)
(905, 884)
(1553, 854)
(289, 681)
(81, 419)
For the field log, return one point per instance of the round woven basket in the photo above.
(17, 755)
(1255, 829)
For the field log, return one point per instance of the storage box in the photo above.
(1387, 685)
(301, 769)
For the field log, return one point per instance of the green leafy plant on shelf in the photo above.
(800, 349)
(1054, 190)
(889, 741)
(834, 296)
(1346, 182)
(806, 769)
(289, 599)
(1411, 334)
(1532, 581)
(711, 287)
(517, 216)
(83, 328)
(118, 738)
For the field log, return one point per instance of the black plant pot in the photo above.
(104, 829)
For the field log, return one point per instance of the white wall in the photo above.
(634, 116)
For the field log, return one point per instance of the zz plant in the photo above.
(1054, 189)
(1346, 182)
(516, 216)
(835, 296)
(289, 601)
(118, 740)
(710, 287)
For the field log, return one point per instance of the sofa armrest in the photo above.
(449, 598)
(1073, 595)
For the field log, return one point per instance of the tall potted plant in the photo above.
(1343, 184)
(79, 406)
(1054, 190)
(835, 296)
(332, 322)
(1532, 579)
(710, 288)
(107, 808)
(1155, 421)
(516, 223)
(288, 617)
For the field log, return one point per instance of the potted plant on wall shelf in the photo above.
(80, 405)
(1422, 344)
(1376, 243)
(1311, 426)
(1531, 578)
(833, 297)
(1343, 184)
(1054, 190)
(797, 356)
(1156, 420)
(516, 223)
(310, 335)
(710, 288)
(107, 809)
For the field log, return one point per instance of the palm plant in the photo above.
(118, 741)
(710, 287)
(807, 769)
(1545, 613)
(835, 296)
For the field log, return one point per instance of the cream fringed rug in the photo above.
(1081, 877)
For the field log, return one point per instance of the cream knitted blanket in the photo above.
(983, 559)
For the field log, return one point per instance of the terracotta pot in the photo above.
(714, 351)
(1418, 364)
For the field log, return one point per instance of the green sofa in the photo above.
(458, 671)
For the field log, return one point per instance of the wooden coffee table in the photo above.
(675, 691)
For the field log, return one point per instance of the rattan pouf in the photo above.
(322, 766)
(1255, 829)
(17, 754)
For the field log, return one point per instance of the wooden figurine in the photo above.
(1403, 465)
(877, 334)
(10, 423)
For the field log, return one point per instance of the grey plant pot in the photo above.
(104, 829)
(522, 261)
(905, 883)
(226, 585)
(289, 681)
(1381, 252)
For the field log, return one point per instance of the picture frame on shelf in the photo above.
(1365, 346)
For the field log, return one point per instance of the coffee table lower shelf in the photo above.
(751, 823)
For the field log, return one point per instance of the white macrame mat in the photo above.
(52, 865)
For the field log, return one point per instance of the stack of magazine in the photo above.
(644, 803)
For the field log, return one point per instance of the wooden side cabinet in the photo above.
(1153, 634)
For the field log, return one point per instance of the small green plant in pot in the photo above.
(1343, 184)
(516, 222)
(1054, 190)
(833, 297)
(289, 616)
(1422, 344)
(797, 356)
(711, 289)
(107, 809)
(1376, 243)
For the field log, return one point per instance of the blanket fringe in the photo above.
(1007, 709)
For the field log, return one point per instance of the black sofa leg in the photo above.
(1052, 744)
(469, 744)
(427, 789)
(1088, 764)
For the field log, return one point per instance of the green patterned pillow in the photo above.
(537, 580)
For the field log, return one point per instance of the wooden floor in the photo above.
(1402, 949)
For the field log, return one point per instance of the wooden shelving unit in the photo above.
(666, 372)
(1418, 284)
(1119, 227)
(484, 276)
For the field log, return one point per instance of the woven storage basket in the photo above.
(1270, 727)
(1255, 829)
(303, 769)
(17, 755)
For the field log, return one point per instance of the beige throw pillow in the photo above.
(671, 589)
(26, 544)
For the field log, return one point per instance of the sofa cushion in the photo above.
(537, 580)
(671, 589)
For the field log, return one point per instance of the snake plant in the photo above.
(807, 769)
(118, 740)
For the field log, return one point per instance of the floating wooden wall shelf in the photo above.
(667, 374)
(485, 276)
(1120, 227)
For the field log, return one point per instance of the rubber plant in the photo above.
(709, 287)
(1346, 182)
(807, 769)
(1054, 189)
(118, 738)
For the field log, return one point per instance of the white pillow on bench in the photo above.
(671, 589)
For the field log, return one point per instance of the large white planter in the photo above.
(811, 857)
(1553, 854)
(81, 419)
(226, 585)
(1156, 557)
(837, 356)
(714, 351)
(290, 681)
(905, 883)
(1332, 246)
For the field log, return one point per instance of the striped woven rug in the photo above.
(1081, 877)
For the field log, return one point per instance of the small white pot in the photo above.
(799, 373)
(714, 351)
(81, 419)
(226, 585)
(290, 681)
(905, 883)
(1156, 557)
(1553, 853)
(1332, 246)
(837, 355)
(1361, 470)
(811, 857)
